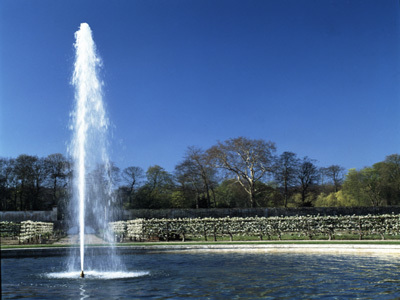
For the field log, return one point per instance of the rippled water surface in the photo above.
(209, 275)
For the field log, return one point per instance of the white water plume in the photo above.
(92, 189)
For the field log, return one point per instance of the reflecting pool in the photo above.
(209, 275)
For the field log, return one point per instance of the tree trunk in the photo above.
(15, 199)
(197, 200)
(54, 192)
(252, 197)
(285, 199)
(21, 201)
(213, 197)
(303, 196)
(208, 197)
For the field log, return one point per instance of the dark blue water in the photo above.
(212, 275)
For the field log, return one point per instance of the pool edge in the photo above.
(366, 249)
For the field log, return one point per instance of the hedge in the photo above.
(9, 229)
(35, 231)
(308, 226)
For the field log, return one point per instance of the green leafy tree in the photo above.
(365, 187)
(156, 192)
(180, 200)
(373, 185)
(335, 199)
(353, 187)
(230, 194)
(389, 171)
(268, 194)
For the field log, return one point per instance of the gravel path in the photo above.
(74, 239)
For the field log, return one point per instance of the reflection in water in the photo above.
(83, 292)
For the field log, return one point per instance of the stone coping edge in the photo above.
(362, 249)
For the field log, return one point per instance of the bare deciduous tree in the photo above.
(307, 176)
(285, 173)
(7, 184)
(249, 160)
(58, 168)
(132, 176)
(336, 174)
(197, 172)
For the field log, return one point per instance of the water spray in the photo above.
(92, 187)
(89, 121)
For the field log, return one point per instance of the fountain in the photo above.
(92, 202)
(216, 274)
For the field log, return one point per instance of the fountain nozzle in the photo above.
(82, 274)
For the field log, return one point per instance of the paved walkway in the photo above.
(74, 239)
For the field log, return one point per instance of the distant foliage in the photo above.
(34, 183)
(236, 173)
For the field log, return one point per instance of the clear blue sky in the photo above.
(318, 77)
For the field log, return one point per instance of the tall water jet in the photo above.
(92, 188)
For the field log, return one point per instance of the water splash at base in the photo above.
(97, 274)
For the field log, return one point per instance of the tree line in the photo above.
(239, 172)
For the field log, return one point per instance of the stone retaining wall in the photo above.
(51, 216)
(255, 212)
(32, 215)
(332, 211)
(192, 213)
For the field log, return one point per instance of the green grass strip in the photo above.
(150, 244)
